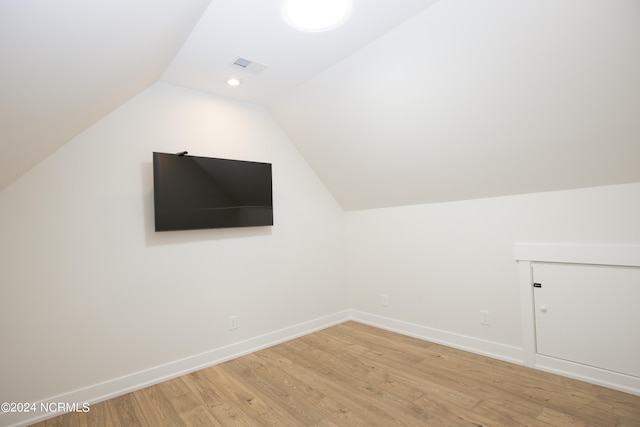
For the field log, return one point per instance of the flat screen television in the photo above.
(191, 192)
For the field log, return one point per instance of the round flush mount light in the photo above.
(234, 81)
(316, 15)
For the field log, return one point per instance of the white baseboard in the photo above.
(590, 374)
(128, 383)
(602, 377)
(462, 342)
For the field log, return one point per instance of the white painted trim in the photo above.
(462, 342)
(128, 383)
(613, 380)
(590, 374)
(622, 255)
(527, 315)
(528, 253)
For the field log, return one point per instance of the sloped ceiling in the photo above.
(67, 63)
(470, 99)
(411, 101)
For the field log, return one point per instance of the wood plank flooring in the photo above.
(356, 375)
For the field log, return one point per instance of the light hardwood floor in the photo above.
(354, 374)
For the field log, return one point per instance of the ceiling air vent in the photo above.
(249, 66)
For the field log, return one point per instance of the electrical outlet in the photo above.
(384, 300)
(233, 322)
(484, 317)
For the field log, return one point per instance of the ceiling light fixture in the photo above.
(234, 81)
(316, 15)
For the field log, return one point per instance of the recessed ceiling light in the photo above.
(316, 15)
(234, 81)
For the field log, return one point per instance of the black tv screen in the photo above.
(201, 192)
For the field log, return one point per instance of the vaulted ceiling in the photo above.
(409, 101)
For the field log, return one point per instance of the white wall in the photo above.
(91, 293)
(440, 264)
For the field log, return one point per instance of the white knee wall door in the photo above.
(580, 308)
(588, 314)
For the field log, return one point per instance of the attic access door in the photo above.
(588, 314)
